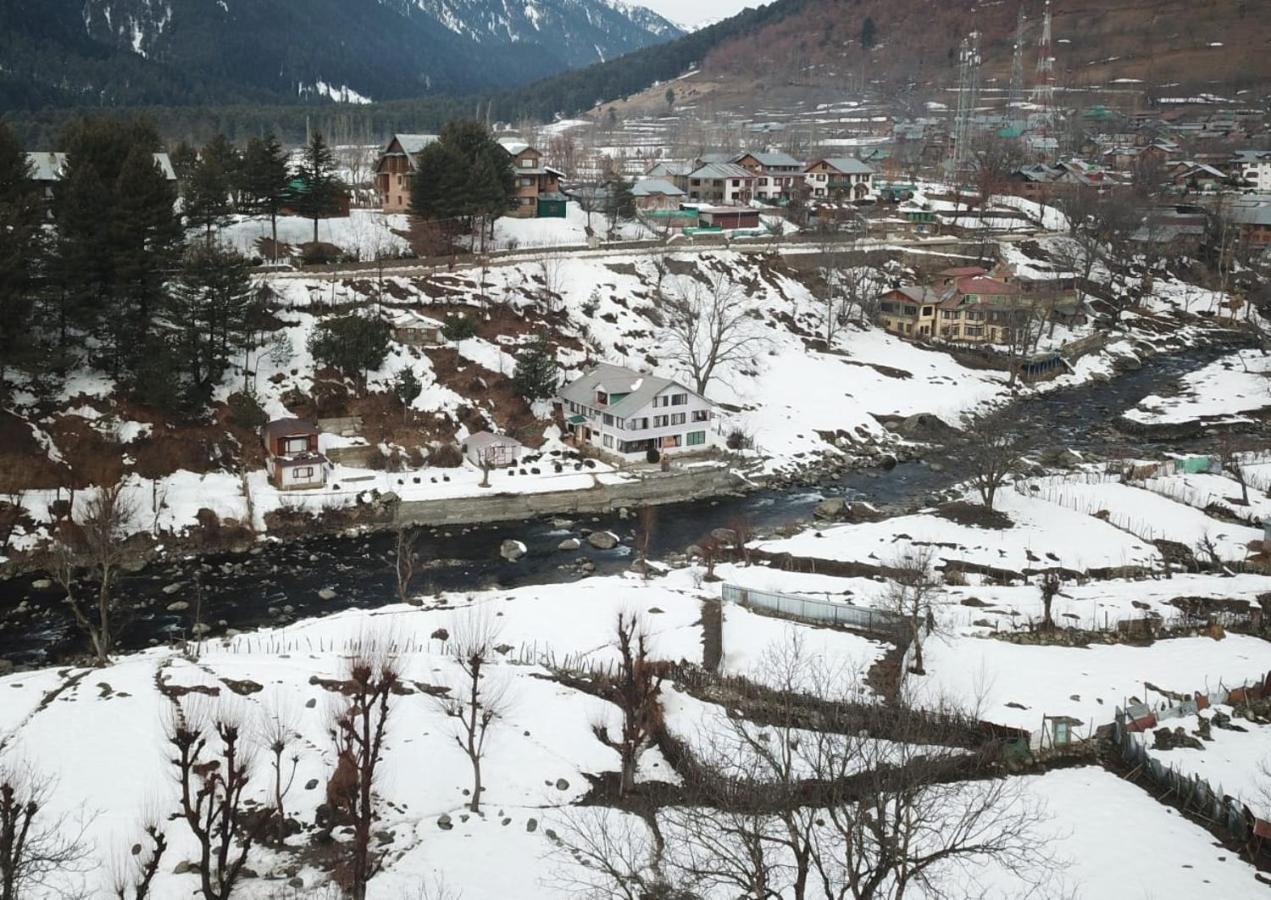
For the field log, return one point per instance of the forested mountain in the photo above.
(184, 52)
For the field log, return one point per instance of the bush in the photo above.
(458, 328)
(537, 376)
(352, 345)
(245, 411)
(653, 456)
(739, 440)
(446, 456)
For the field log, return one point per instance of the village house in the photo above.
(721, 182)
(627, 414)
(778, 176)
(840, 178)
(656, 194)
(1252, 168)
(47, 168)
(910, 311)
(1254, 222)
(294, 461)
(414, 330)
(968, 305)
(537, 194)
(396, 169)
(677, 173)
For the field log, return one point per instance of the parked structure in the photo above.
(396, 168)
(294, 460)
(627, 414)
(416, 330)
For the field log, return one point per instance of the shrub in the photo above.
(739, 440)
(352, 345)
(653, 456)
(245, 411)
(458, 328)
(446, 456)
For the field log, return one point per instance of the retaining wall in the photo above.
(654, 490)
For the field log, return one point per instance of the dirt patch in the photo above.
(493, 395)
(973, 515)
(24, 464)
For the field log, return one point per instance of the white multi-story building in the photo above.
(1253, 167)
(625, 413)
(840, 177)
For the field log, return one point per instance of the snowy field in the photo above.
(364, 234)
(1238, 763)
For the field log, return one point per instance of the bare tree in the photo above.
(405, 561)
(372, 680)
(1229, 458)
(709, 327)
(40, 850)
(97, 547)
(134, 874)
(279, 737)
(477, 702)
(994, 450)
(912, 591)
(214, 768)
(635, 689)
(605, 854)
(1050, 589)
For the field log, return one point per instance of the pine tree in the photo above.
(352, 345)
(316, 193)
(869, 33)
(265, 180)
(21, 252)
(229, 161)
(619, 202)
(537, 375)
(210, 311)
(207, 200)
(406, 387)
(438, 194)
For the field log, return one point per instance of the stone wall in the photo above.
(653, 490)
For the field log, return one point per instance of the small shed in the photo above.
(552, 205)
(417, 331)
(484, 448)
(729, 217)
(295, 462)
(298, 473)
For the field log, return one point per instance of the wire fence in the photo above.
(824, 611)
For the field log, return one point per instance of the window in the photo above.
(679, 419)
(295, 445)
(527, 182)
(679, 399)
(608, 419)
(302, 473)
(528, 162)
(638, 424)
(602, 399)
(609, 441)
(661, 421)
(696, 438)
(701, 415)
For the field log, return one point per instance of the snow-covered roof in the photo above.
(484, 439)
(721, 171)
(414, 143)
(48, 166)
(650, 187)
(846, 165)
(514, 146)
(639, 388)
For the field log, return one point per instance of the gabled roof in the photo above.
(49, 166)
(1251, 156)
(639, 388)
(671, 169)
(288, 428)
(722, 171)
(984, 286)
(918, 293)
(845, 165)
(650, 187)
(483, 439)
(707, 158)
(412, 143)
(514, 146)
(963, 272)
(770, 160)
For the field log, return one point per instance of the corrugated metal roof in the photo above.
(722, 171)
(639, 388)
(648, 187)
(847, 165)
(415, 143)
(774, 159)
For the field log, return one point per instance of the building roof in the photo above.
(639, 388)
(707, 158)
(919, 293)
(721, 171)
(770, 159)
(412, 143)
(1251, 214)
(288, 428)
(846, 165)
(671, 169)
(963, 272)
(985, 286)
(650, 187)
(49, 166)
(514, 146)
(1251, 156)
(483, 439)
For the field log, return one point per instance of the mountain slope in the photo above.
(128, 52)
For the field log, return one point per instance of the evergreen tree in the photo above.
(537, 375)
(869, 33)
(352, 345)
(82, 259)
(406, 387)
(265, 180)
(21, 252)
(227, 158)
(207, 200)
(210, 311)
(467, 175)
(619, 202)
(438, 195)
(316, 188)
(184, 159)
(458, 328)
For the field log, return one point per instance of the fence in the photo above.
(809, 609)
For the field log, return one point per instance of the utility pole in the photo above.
(1015, 104)
(1044, 89)
(968, 99)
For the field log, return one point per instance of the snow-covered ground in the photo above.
(1224, 391)
(365, 234)
(1237, 763)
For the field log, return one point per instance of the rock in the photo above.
(603, 540)
(184, 867)
(178, 606)
(531, 825)
(311, 784)
(389, 498)
(569, 545)
(200, 629)
(41, 584)
(326, 594)
(445, 823)
(562, 784)
(725, 536)
(172, 588)
(1167, 739)
(6, 666)
(512, 550)
(830, 508)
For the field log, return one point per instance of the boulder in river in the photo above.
(512, 550)
(569, 545)
(830, 508)
(326, 594)
(603, 540)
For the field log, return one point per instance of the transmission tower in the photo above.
(968, 99)
(1016, 101)
(1044, 89)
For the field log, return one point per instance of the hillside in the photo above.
(134, 52)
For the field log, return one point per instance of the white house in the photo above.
(721, 182)
(626, 413)
(484, 448)
(1254, 167)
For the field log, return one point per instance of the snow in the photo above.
(1233, 762)
(1223, 391)
(365, 234)
(1016, 684)
(1048, 217)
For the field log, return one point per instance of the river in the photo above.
(282, 581)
